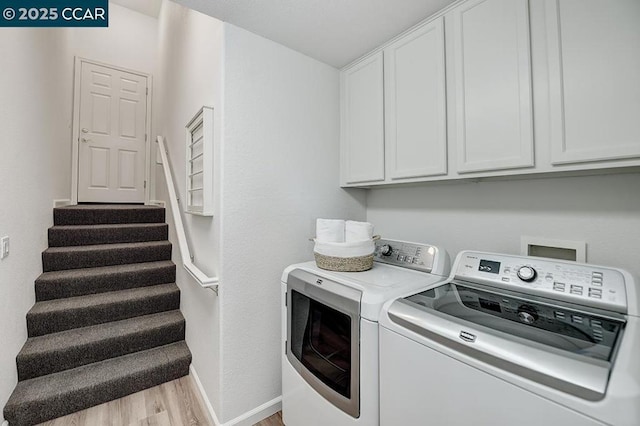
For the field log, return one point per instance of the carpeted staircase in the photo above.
(106, 322)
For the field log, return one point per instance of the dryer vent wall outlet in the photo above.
(554, 249)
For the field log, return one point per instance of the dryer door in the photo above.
(323, 337)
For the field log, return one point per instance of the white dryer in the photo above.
(330, 332)
(511, 340)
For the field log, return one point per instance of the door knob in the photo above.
(85, 130)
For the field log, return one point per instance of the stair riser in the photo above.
(52, 362)
(52, 322)
(61, 237)
(63, 288)
(58, 261)
(67, 216)
(34, 412)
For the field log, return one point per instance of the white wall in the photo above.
(603, 211)
(276, 170)
(280, 172)
(190, 76)
(33, 144)
(36, 83)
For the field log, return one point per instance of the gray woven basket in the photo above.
(344, 264)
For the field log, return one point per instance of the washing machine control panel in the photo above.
(573, 282)
(409, 255)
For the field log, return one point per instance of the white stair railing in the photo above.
(201, 278)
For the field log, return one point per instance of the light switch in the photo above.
(4, 247)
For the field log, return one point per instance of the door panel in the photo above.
(595, 91)
(363, 121)
(112, 139)
(99, 165)
(494, 113)
(415, 116)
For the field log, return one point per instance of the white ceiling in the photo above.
(333, 31)
(148, 7)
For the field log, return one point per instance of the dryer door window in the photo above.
(323, 337)
(321, 341)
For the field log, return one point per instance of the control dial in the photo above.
(527, 314)
(386, 250)
(527, 274)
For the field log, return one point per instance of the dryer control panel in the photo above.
(584, 284)
(422, 257)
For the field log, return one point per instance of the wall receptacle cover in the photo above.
(4, 247)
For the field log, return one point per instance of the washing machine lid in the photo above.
(557, 344)
(378, 285)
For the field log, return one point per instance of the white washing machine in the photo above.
(330, 332)
(512, 340)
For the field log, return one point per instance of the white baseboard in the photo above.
(259, 413)
(203, 395)
(247, 419)
(58, 203)
(157, 203)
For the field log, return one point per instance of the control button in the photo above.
(597, 283)
(596, 324)
(416, 260)
(506, 279)
(595, 293)
(409, 259)
(559, 315)
(549, 277)
(557, 286)
(507, 270)
(527, 314)
(577, 319)
(576, 289)
(527, 273)
(386, 250)
(401, 258)
(596, 274)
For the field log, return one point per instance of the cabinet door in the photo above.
(492, 57)
(363, 121)
(594, 76)
(415, 106)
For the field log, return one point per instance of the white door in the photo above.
(363, 121)
(492, 78)
(594, 68)
(112, 135)
(414, 96)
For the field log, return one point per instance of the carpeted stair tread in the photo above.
(107, 213)
(48, 397)
(52, 316)
(80, 282)
(69, 349)
(80, 235)
(60, 258)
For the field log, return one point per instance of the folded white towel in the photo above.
(353, 249)
(330, 230)
(358, 231)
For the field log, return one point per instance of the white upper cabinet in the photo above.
(492, 80)
(455, 97)
(594, 78)
(415, 104)
(362, 121)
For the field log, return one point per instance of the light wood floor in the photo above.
(275, 420)
(176, 403)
